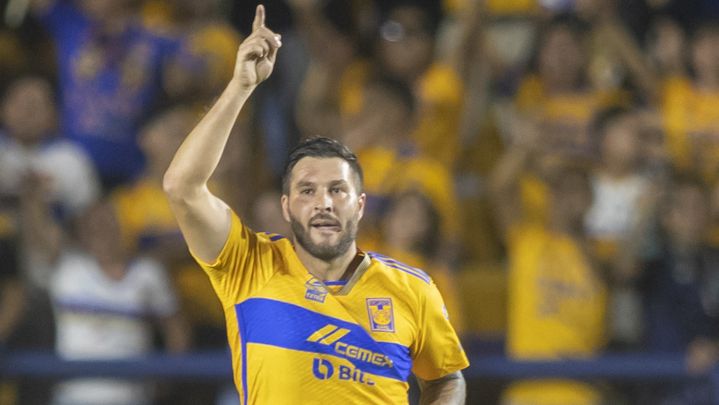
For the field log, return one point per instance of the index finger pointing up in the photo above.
(259, 21)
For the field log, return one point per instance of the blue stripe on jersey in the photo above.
(243, 348)
(288, 326)
(338, 282)
(401, 266)
(274, 237)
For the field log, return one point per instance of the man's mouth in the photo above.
(326, 225)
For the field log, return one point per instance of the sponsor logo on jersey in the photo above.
(330, 335)
(315, 290)
(381, 316)
(324, 369)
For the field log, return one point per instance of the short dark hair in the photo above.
(321, 147)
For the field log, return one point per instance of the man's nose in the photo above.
(324, 201)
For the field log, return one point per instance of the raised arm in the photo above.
(504, 180)
(203, 218)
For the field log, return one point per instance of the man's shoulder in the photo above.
(278, 245)
(398, 271)
(273, 237)
(275, 241)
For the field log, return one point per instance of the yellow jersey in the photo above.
(443, 277)
(557, 307)
(298, 340)
(440, 97)
(691, 122)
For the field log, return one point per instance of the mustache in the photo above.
(324, 218)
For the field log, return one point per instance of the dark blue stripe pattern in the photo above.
(274, 237)
(288, 326)
(338, 282)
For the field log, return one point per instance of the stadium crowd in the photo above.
(552, 164)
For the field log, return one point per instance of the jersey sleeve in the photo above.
(437, 351)
(244, 264)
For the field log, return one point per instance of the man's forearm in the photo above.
(200, 153)
(448, 390)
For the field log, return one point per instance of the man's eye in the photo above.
(306, 191)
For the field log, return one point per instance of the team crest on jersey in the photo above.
(315, 290)
(381, 316)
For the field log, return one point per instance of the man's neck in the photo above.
(332, 270)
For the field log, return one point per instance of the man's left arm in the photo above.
(438, 357)
(448, 390)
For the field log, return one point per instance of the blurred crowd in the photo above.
(552, 164)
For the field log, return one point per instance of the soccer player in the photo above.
(312, 319)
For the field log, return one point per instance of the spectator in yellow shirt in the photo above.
(557, 299)
(560, 95)
(381, 135)
(405, 51)
(690, 108)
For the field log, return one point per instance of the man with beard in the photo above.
(312, 320)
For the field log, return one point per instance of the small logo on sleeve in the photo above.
(316, 291)
(381, 316)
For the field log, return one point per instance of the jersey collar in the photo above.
(354, 272)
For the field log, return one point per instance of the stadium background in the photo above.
(552, 164)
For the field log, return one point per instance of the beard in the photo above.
(324, 251)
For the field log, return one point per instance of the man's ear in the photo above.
(285, 202)
(361, 201)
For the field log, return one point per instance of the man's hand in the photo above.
(257, 53)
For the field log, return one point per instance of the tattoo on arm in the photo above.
(448, 390)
